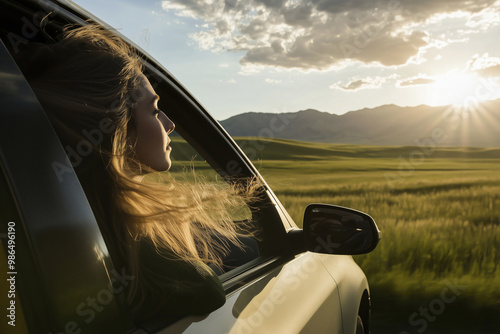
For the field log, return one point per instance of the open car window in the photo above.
(189, 166)
(202, 149)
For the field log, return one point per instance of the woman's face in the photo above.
(150, 136)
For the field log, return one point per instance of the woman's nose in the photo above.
(168, 125)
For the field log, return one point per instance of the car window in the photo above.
(188, 165)
(201, 150)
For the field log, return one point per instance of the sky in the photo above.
(334, 56)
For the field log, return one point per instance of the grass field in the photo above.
(437, 268)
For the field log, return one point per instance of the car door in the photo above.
(67, 275)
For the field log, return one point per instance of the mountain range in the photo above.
(384, 125)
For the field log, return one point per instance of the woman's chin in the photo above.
(163, 167)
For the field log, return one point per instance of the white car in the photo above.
(59, 276)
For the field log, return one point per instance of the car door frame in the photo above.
(234, 165)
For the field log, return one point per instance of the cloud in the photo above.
(323, 34)
(273, 81)
(415, 81)
(485, 65)
(356, 84)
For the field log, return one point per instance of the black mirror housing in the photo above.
(331, 229)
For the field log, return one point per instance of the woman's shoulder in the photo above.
(175, 286)
(166, 262)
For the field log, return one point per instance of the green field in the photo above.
(437, 266)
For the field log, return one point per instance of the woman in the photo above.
(164, 234)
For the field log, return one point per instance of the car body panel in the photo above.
(352, 283)
(299, 297)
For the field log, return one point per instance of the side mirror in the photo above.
(331, 229)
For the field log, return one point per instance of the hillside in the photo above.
(384, 125)
(292, 150)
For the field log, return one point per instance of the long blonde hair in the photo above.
(85, 80)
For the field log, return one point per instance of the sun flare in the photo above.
(460, 89)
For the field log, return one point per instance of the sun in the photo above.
(459, 89)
